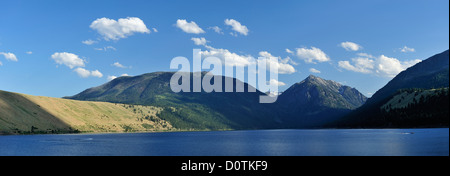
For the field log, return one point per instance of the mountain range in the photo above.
(308, 103)
(186, 110)
(414, 98)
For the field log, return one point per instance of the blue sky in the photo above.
(60, 48)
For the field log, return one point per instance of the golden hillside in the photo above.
(20, 113)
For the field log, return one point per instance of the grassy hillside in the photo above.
(410, 97)
(192, 110)
(20, 113)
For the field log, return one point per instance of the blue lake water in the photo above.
(329, 142)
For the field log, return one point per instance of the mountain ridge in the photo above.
(431, 73)
(153, 89)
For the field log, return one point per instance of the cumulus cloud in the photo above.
(119, 65)
(9, 56)
(282, 65)
(312, 55)
(199, 41)
(68, 59)
(237, 26)
(88, 42)
(106, 48)
(390, 67)
(189, 27)
(29, 52)
(313, 70)
(365, 55)
(96, 73)
(155, 30)
(86, 73)
(229, 58)
(361, 65)
(406, 49)
(109, 78)
(382, 66)
(350, 46)
(289, 51)
(276, 82)
(111, 29)
(216, 29)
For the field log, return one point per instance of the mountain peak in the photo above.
(312, 77)
(318, 100)
(324, 93)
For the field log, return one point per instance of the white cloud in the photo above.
(312, 55)
(237, 26)
(390, 67)
(86, 73)
(88, 42)
(234, 34)
(216, 29)
(29, 52)
(1, 64)
(361, 65)
(313, 70)
(109, 78)
(96, 73)
(288, 60)
(199, 41)
(282, 65)
(406, 49)
(111, 29)
(229, 58)
(350, 46)
(382, 66)
(275, 82)
(365, 55)
(82, 72)
(68, 59)
(289, 51)
(105, 48)
(189, 27)
(155, 30)
(119, 65)
(233, 59)
(9, 56)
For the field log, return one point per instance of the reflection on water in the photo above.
(390, 142)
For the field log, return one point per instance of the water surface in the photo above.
(334, 142)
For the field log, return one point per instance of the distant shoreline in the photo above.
(87, 133)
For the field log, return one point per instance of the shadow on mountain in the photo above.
(19, 115)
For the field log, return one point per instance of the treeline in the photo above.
(431, 110)
(426, 111)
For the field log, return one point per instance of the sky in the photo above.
(59, 48)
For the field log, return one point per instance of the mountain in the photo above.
(429, 74)
(187, 110)
(315, 101)
(27, 114)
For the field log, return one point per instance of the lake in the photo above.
(328, 142)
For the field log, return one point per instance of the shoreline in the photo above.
(88, 133)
